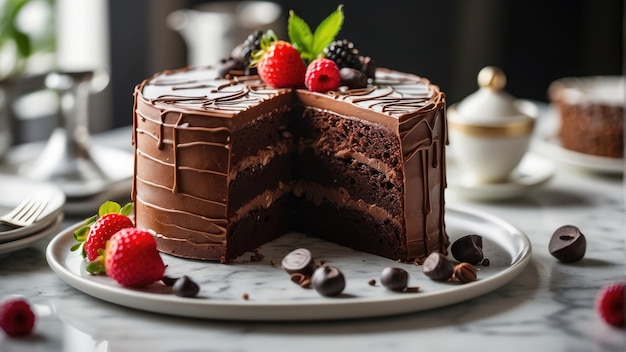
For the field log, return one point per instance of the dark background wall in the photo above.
(448, 41)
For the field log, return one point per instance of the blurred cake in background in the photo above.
(591, 113)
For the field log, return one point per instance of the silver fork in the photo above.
(26, 213)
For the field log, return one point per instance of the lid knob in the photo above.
(492, 78)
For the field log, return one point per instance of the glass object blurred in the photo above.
(212, 30)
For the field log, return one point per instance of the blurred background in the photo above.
(447, 41)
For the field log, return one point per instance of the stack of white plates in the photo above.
(13, 190)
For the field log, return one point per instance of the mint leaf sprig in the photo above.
(311, 44)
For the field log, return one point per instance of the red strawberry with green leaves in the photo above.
(278, 63)
(98, 229)
(131, 258)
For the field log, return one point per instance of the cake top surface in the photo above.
(200, 89)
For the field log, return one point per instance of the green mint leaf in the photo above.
(109, 207)
(127, 209)
(326, 32)
(300, 34)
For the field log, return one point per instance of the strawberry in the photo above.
(97, 230)
(278, 63)
(131, 258)
(322, 75)
(610, 304)
(16, 317)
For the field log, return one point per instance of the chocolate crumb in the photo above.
(222, 260)
(485, 262)
(372, 282)
(322, 262)
(271, 262)
(305, 283)
(256, 257)
(412, 289)
(245, 296)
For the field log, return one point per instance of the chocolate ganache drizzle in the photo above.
(184, 122)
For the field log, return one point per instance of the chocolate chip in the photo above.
(464, 272)
(185, 287)
(468, 249)
(395, 279)
(328, 281)
(485, 262)
(168, 280)
(437, 267)
(299, 261)
(352, 78)
(245, 296)
(372, 282)
(568, 244)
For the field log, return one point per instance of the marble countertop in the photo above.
(548, 307)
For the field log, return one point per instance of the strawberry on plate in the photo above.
(131, 258)
(98, 229)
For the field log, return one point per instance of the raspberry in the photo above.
(16, 317)
(322, 75)
(610, 304)
(344, 54)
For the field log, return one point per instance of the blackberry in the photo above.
(252, 43)
(344, 54)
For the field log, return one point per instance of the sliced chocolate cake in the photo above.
(224, 165)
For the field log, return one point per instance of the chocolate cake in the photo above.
(591, 113)
(224, 165)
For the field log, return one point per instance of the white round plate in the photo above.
(547, 143)
(533, 171)
(272, 296)
(22, 243)
(14, 190)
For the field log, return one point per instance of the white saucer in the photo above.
(14, 190)
(547, 143)
(533, 171)
(8, 247)
(550, 146)
(272, 295)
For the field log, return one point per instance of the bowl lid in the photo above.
(490, 103)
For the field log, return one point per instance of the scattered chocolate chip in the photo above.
(485, 262)
(300, 279)
(464, 272)
(568, 244)
(223, 260)
(299, 261)
(468, 249)
(437, 267)
(395, 279)
(328, 281)
(372, 282)
(271, 262)
(185, 287)
(168, 280)
(412, 289)
(322, 262)
(245, 296)
(352, 78)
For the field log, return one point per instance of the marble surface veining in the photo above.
(548, 307)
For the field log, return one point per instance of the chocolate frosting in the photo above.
(183, 124)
